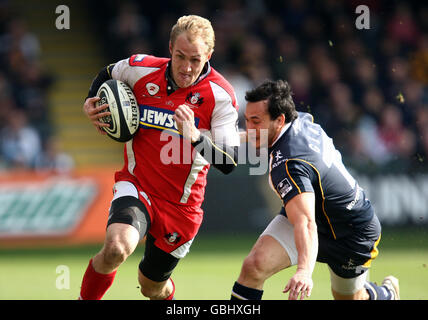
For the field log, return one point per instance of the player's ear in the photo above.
(281, 119)
(210, 54)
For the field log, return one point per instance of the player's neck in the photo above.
(279, 133)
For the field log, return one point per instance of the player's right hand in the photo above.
(300, 284)
(94, 113)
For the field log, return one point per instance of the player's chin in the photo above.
(185, 83)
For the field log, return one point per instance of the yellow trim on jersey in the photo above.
(108, 71)
(373, 254)
(322, 193)
(237, 296)
(159, 127)
(222, 151)
(286, 168)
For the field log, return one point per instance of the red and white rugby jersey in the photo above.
(157, 156)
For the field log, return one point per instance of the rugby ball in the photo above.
(125, 114)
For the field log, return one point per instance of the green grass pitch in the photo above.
(208, 272)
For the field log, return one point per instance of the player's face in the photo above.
(188, 59)
(261, 129)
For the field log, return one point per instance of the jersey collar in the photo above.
(284, 128)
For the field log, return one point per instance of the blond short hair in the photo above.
(194, 26)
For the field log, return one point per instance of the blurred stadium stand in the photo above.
(66, 62)
(368, 88)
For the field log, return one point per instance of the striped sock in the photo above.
(240, 292)
(378, 292)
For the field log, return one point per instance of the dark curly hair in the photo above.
(278, 93)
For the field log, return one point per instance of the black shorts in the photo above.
(157, 265)
(351, 256)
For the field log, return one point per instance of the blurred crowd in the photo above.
(368, 87)
(26, 137)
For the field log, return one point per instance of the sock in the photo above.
(94, 284)
(171, 296)
(378, 292)
(240, 292)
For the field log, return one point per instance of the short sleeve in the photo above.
(224, 120)
(132, 69)
(292, 178)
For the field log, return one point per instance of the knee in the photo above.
(253, 267)
(115, 253)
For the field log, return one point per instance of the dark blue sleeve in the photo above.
(293, 178)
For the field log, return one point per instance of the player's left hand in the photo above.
(300, 284)
(185, 119)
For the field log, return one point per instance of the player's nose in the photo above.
(187, 67)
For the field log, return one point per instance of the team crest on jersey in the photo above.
(194, 99)
(172, 238)
(284, 187)
(152, 88)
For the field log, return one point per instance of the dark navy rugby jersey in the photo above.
(304, 159)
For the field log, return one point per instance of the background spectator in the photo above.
(368, 88)
(24, 114)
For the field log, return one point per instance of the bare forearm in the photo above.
(306, 238)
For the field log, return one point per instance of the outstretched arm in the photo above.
(301, 213)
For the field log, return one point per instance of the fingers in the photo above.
(90, 106)
(98, 115)
(94, 113)
(184, 113)
(299, 287)
(95, 110)
(93, 99)
(100, 130)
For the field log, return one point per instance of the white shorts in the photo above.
(282, 230)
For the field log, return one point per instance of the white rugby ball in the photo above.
(125, 113)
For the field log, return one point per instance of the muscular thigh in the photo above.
(270, 255)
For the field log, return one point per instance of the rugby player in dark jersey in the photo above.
(326, 215)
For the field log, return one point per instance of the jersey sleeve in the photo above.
(293, 178)
(224, 130)
(132, 69)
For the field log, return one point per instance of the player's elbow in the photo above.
(225, 168)
(228, 161)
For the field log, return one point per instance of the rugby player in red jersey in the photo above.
(185, 105)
